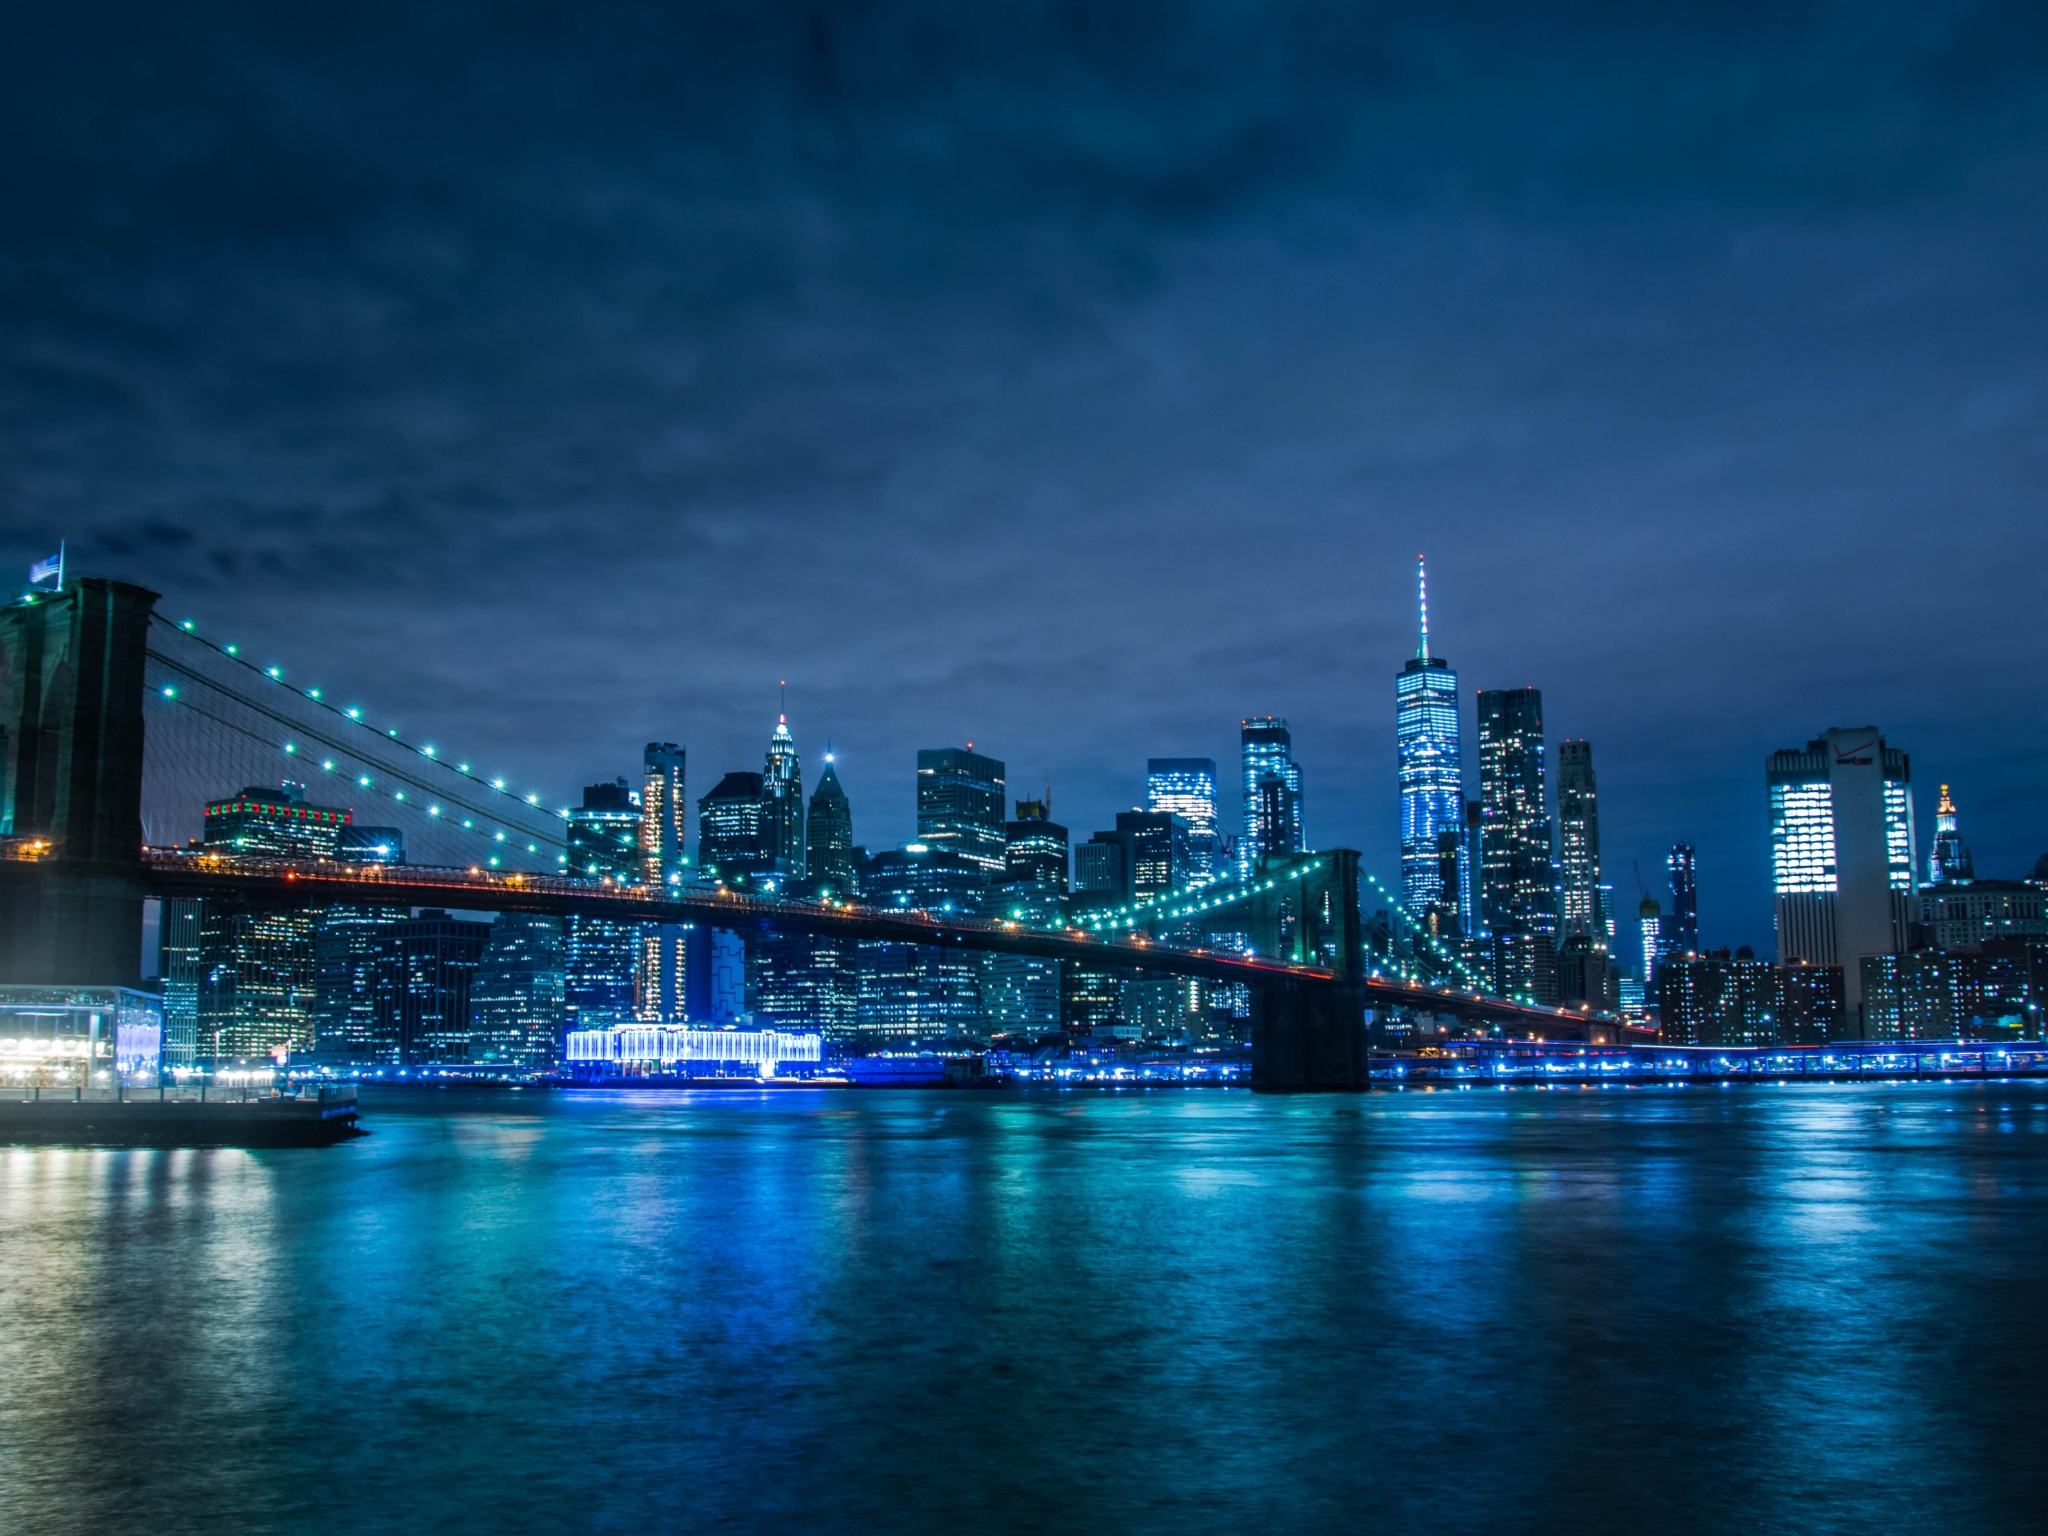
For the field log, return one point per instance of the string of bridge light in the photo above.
(1443, 954)
(1127, 915)
(354, 715)
(362, 781)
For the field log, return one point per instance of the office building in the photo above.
(782, 803)
(1586, 974)
(1035, 851)
(918, 877)
(1517, 889)
(1682, 933)
(1186, 787)
(730, 845)
(517, 1005)
(426, 974)
(256, 980)
(347, 941)
(1580, 902)
(601, 957)
(1102, 871)
(663, 789)
(1948, 861)
(960, 798)
(1650, 922)
(1267, 747)
(828, 838)
(1431, 767)
(1963, 915)
(1841, 851)
(1157, 846)
(1931, 994)
(178, 928)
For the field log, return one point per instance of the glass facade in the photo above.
(516, 1004)
(1581, 910)
(1683, 866)
(828, 837)
(729, 834)
(960, 800)
(1186, 787)
(1843, 802)
(782, 803)
(601, 958)
(1267, 747)
(1035, 850)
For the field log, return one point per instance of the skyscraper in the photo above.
(658, 982)
(1949, 860)
(828, 836)
(1267, 746)
(516, 1003)
(1650, 920)
(1431, 766)
(1518, 896)
(782, 803)
(1682, 933)
(1841, 852)
(960, 799)
(729, 840)
(1578, 844)
(1158, 848)
(1035, 851)
(426, 972)
(1186, 787)
(601, 956)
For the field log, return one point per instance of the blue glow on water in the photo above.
(1810, 1307)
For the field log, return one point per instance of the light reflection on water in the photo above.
(1813, 1308)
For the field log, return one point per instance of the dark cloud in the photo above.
(1071, 378)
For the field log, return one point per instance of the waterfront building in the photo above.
(1966, 914)
(960, 799)
(730, 846)
(782, 803)
(828, 838)
(803, 980)
(1738, 999)
(1948, 861)
(516, 1003)
(1586, 974)
(425, 977)
(1933, 994)
(601, 957)
(1186, 787)
(1035, 851)
(1841, 850)
(1682, 934)
(1431, 764)
(1581, 908)
(1020, 994)
(178, 926)
(917, 992)
(1267, 746)
(677, 1050)
(255, 982)
(348, 943)
(1518, 892)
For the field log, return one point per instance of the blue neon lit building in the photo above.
(1432, 774)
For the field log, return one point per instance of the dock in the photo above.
(181, 1117)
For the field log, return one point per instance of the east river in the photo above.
(1756, 1309)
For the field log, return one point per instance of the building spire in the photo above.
(1422, 603)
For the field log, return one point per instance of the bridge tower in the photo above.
(1310, 1036)
(71, 687)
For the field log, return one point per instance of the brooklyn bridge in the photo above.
(116, 723)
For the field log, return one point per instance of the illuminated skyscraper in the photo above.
(601, 956)
(960, 799)
(782, 803)
(515, 1007)
(1431, 765)
(1186, 787)
(1682, 933)
(1650, 920)
(662, 806)
(828, 836)
(1267, 746)
(1518, 893)
(1158, 848)
(1035, 852)
(1842, 852)
(1578, 844)
(729, 841)
(1948, 862)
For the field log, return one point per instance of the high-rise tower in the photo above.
(1431, 766)
(1579, 900)
(1949, 860)
(1684, 935)
(828, 847)
(1268, 748)
(1517, 886)
(960, 796)
(661, 812)
(1842, 852)
(782, 802)
(1186, 787)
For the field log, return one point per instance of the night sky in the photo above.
(1068, 379)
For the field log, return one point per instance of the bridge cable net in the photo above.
(216, 723)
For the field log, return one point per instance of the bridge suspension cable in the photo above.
(217, 716)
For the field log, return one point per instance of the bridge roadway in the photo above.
(176, 872)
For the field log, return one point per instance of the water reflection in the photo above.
(1809, 1308)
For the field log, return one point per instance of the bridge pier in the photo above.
(1309, 1039)
(71, 684)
